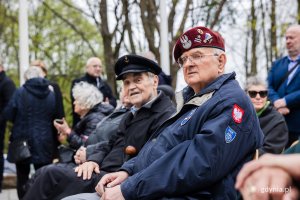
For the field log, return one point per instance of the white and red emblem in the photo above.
(237, 114)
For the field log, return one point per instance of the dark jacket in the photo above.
(104, 88)
(275, 131)
(58, 100)
(198, 152)
(134, 131)
(290, 92)
(7, 88)
(87, 125)
(104, 130)
(32, 111)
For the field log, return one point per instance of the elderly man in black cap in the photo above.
(197, 153)
(150, 109)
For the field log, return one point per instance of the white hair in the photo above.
(33, 72)
(86, 95)
(254, 81)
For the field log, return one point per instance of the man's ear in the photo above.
(155, 81)
(222, 62)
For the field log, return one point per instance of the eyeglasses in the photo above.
(195, 58)
(262, 94)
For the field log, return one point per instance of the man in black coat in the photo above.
(7, 88)
(150, 109)
(93, 76)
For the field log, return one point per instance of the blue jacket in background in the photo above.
(290, 92)
(198, 152)
(32, 111)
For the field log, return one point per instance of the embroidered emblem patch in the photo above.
(237, 114)
(230, 134)
(208, 38)
(188, 117)
(186, 43)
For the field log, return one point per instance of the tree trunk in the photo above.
(274, 50)
(107, 45)
(254, 43)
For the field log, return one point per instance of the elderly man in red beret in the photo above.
(197, 153)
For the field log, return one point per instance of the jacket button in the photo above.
(130, 150)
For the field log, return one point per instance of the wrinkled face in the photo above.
(201, 66)
(94, 67)
(140, 87)
(79, 109)
(292, 38)
(258, 96)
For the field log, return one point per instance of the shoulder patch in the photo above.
(188, 117)
(237, 114)
(230, 134)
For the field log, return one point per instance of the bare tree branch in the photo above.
(217, 14)
(82, 35)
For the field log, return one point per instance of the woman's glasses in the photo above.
(262, 94)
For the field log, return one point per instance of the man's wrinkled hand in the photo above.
(86, 170)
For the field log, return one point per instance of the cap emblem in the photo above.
(198, 39)
(208, 38)
(186, 43)
(126, 60)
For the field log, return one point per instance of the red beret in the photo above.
(197, 37)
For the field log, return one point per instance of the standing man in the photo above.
(197, 153)
(284, 83)
(93, 76)
(7, 88)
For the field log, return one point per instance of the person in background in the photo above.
(150, 109)
(32, 111)
(92, 76)
(271, 122)
(88, 104)
(284, 83)
(197, 153)
(54, 87)
(7, 88)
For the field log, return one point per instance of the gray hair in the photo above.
(33, 72)
(86, 95)
(254, 80)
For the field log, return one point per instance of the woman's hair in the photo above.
(86, 95)
(39, 63)
(254, 80)
(33, 72)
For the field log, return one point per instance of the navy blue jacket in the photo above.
(7, 88)
(32, 111)
(197, 153)
(290, 92)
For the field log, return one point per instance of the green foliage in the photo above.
(58, 34)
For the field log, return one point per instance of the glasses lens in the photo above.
(262, 94)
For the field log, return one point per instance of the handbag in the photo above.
(65, 154)
(18, 151)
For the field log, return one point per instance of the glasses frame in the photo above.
(262, 93)
(182, 60)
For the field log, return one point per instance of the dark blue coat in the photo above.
(32, 111)
(197, 153)
(290, 92)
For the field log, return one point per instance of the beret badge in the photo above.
(186, 43)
